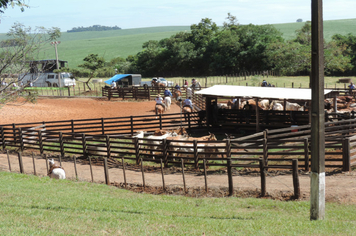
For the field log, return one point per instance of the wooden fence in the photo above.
(120, 164)
(110, 137)
(9, 133)
(245, 152)
(127, 93)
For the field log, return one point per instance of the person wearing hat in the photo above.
(159, 101)
(167, 93)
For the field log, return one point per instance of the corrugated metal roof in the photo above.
(258, 92)
(117, 78)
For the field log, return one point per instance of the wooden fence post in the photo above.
(306, 154)
(40, 141)
(205, 177)
(263, 177)
(72, 125)
(265, 151)
(137, 149)
(108, 146)
(346, 155)
(196, 160)
(21, 163)
(295, 179)
(228, 148)
(22, 146)
(185, 188)
(84, 145)
(106, 172)
(8, 159)
(165, 152)
(132, 126)
(3, 138)
(61, 145)
(102, 126)
(91, 170)
(75, 167)
(45, 156)
(14, 133)
(123, 170)
(163, 183)
(189, 120)
(143, 176)
(229, 175)
(160, 121)
(34, 164)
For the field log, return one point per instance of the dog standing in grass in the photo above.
(56, 171)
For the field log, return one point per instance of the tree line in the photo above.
(93, 28)
(211, 50)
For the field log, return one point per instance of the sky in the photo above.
(66, 14)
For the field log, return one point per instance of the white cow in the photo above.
(276, 106)
(264, 104)
(294, 107)
(156, 140)
(55, 171)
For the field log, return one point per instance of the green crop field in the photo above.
(122, 43)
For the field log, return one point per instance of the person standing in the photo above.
(351, 87)
(247, 112)
(113, 85)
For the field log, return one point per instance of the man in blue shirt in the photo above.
(188, 103)
(177, 87)
(167, 93)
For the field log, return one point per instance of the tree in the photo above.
(92, 63)
(22, 45)
(348, 45)
(4, 4)
(293, 57)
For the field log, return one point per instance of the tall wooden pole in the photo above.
(317, 176)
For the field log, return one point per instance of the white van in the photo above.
(47, 79)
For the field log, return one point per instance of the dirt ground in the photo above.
(340, 186)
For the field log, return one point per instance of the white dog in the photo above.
(55, 171)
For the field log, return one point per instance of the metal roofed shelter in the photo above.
(272, 93)
(125, 80)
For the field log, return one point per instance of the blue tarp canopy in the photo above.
(117, 78)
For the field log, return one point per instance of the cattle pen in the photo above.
(109, 140)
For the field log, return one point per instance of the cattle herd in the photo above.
(264, 104)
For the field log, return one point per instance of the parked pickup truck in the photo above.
(157, 80)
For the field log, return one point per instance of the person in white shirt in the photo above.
(113, 85)
(159, 101)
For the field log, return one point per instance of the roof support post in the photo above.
(257, 116)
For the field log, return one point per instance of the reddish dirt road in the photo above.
(340, 187)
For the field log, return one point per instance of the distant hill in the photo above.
(124, 42)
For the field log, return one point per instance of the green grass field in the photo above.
(31, 205)
(122, 43)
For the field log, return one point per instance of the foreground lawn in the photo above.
(30, 205)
